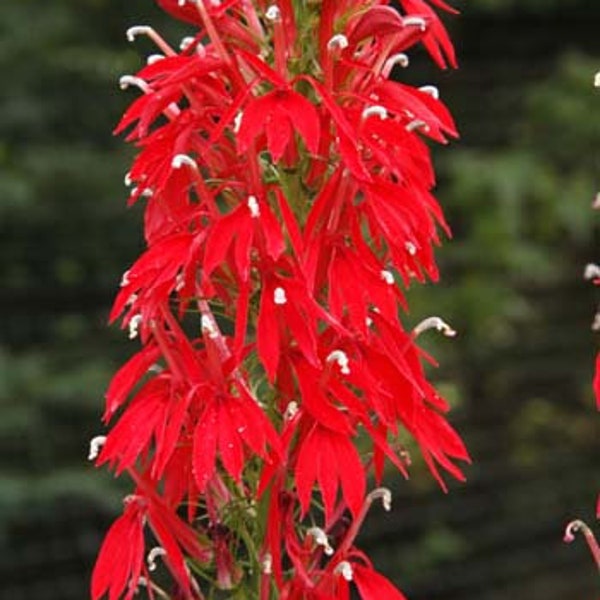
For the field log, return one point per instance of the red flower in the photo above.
(121, 559)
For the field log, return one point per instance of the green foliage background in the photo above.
(517, 189)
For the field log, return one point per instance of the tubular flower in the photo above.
(287, 191)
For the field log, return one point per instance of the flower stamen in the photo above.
(96, 444)
(434, 323)
(320, 538)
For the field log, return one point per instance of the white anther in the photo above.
(396, 59)
(154, 58)
(337, 42)
(126, 80)
(237, 121)
(386, 497)
(320, 538)
(417, 124)
(410, 248)
(341, 358)
(131, 300)
(127, 179)
(597, 80)
(208, 326)
(376, 110)
(415, 22)
(147, 193)
(186, 42)
(95, 444)
(267, 564)
(155, 369)
(134, 325)
(253, 207)
(434, 323)
(592, 271)
(291, 410)
(573, 527)
(279, 296)
(596, 322)
(179, 282)
(125, 278)
(273, 13)
(153, 555)
(431, 90)
(345, 569)
(183, 159)
(388, 277)
(136, 30)
(368, 321)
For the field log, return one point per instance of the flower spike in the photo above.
(287, 200)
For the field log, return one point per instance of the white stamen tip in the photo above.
(417, 124)
(572, 528)
(397, 59)
(597, 80)
(431, 90)
(131, 300)
(320, 538)
(125, 279)
(291, 410)
(127, 80)
(134, 325)
(253, 207)
(279, 296)
(596, 322)
(183, 159)
(410, 248)
(154, 58)
(127, 179)
(338, 42)
(136, 30)
(153, 555)
(415, 22)
(374, 111)
(273, 13)
(237, 121)
(208, 327)
(434, 323)
(267, 564)
(592, 271)
(186, 42)
(345, 569)
(95, 444)
(341, 358)
(388, 277)
(384, 494)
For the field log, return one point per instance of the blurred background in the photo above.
(517, 188)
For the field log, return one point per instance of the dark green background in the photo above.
(517, 189)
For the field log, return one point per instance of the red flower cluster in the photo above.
(287, 188)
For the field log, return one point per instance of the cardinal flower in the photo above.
(287, 189)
